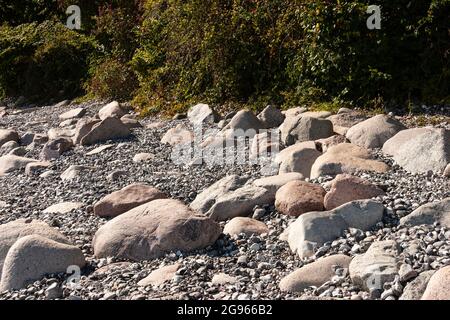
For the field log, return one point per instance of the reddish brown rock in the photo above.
(346, 188)
(298, 197)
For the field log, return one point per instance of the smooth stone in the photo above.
(314, 274)
(247, 226)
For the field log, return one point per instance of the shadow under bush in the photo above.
(43, 61)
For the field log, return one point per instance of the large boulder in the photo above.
(374, 132)
(429, 214)
(303, 128)
(12, 231)
(153, 229)
(346, 188)
(298, 158)
(311, 230)
(240, 202)
(314, 274)
(247, 226)
(293, 112)
(202, 114)
(414, 290)
(73, 114)
(420, 150)
(8, 135)
(208, 197)
(32, 257)
(10, 163)
(298, 197)
(108, 129)
(377, 266)
(126, 199)
(271, 117)
(438, 287)
(346, 158)
(111, 110)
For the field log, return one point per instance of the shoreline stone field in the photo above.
(94, 205)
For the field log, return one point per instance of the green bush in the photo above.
(292, 52)
(16, 12)
(112, 79)
(42, 61)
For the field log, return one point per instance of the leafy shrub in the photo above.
(16, 12)
(41, 61)
(112, 79)
(292, 52)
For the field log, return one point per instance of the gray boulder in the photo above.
(429, 214)
(311, 230)
(377, 266)
(111, 110)
(303, 128)
(32, 257)
(108, 129)
(208, 197)
(374, 132)
(420, 150)
(240, 202)
(415, 289)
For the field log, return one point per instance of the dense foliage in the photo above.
(44, 60)
(168, 54)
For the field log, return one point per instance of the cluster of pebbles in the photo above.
(257, 263)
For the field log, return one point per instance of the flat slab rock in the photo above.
(10, 163)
